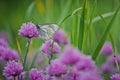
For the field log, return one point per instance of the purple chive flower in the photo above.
(88, 75)
(34, 74)
(107, 49)
(56, 68)
(48, 77)
(13, 69)
(3, 43)
(29, 30)
(108, 68)
(115, 77)
(38, 59)
(111, 59)
(2, 49)
(46, 47)
(4, 36)
(61, 37)
(70, 55)
(85, 63)
(72, 74)
(10, 54)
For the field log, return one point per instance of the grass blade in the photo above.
(113, 45)
(105, 15)
(19, 48)
(65, 11)
(81, 27)
(29, 11)
(107, 30)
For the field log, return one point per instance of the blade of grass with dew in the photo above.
(81, 27)
(29, 11)
(113, 45)
(100, 44)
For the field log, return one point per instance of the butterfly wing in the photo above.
(47, 30)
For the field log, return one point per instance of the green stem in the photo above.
(28, 44)
(116, 62)
(51, 55)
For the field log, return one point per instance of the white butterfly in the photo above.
(47, 31)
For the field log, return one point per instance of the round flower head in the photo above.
(71, 75)
(10, 54)
(3, 43)
(111, 59)
(88, 75)
(48, 77)
(34, 74)
(56, 68)
(106, 49)
(70, 55)
(12, 69)
(2, 49)
(115, 77)
(47, 46)
(61, 37)
(85, 63)
(29, 30)
(108, 68)
(4, 36)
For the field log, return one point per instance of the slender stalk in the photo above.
(51, 55)
(116, 62)
(28, 44)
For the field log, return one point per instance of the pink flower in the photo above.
(56, 68)
(61, 37)
(29, 30)
(47, 46)
(107, 49)
(70, 55)
(34, 74)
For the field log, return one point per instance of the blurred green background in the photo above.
(13, 13)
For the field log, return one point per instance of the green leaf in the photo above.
(105, 15)
(19, 48)
(113, 45)
(29, 11)
(104, 36)
(70, 15)
(81, 27)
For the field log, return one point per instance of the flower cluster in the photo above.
(66, 63)
(72, 65)
(109, 65)
(6, 53)
(115, 77)
(13, 70)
